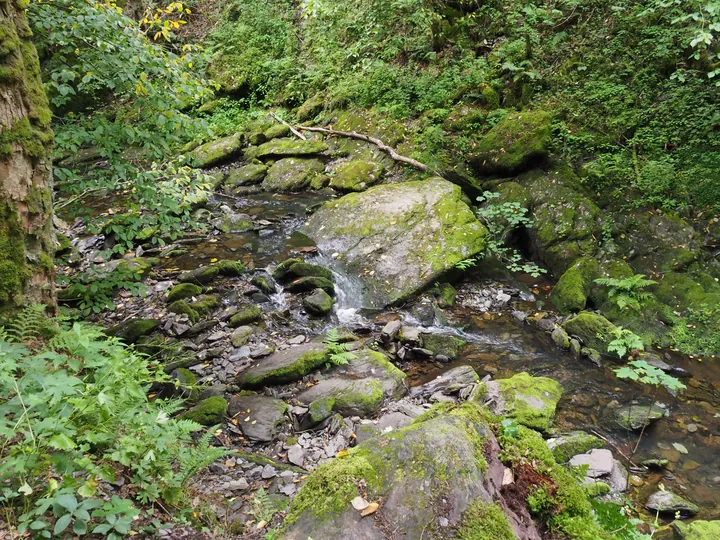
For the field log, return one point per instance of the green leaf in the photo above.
(61, 442)
(62, 523)
(626, 373)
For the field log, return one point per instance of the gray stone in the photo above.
(390, 331)
(452, 381)
(268, 472)
(296, 455)
(598, 460)
(241, 335)
(258, 417)
(560, 337)
(284, 366)
(636, 416)
(667, 502)
(398, 238)
(238, 485)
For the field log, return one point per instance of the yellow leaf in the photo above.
(213, 260)
(342, 453)
(371, 509)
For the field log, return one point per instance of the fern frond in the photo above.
(332, 338)
(27, 324)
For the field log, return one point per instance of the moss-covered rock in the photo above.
(445, 295)
(212, 153)
(567, 445)
(183, 290)
(132, 330)
(528, 400)
(245, 315)
(230, 268)
(398, 238)
(311, 108)
(484, 521)
(318, 302)
(264, 283)
(594, 330)
(356, 175)
(513, 144)
(292, 269)
(284, 148)
(697, 530)
(208, 412)
(202, 275)
(205, 303)
(310, 283)
(246, 175)
(181, 307)
(292, 174)
(362, 397)
(437, 458)
(259, 417)
(276, 131)
(449, 346)
(284, 366)
(571, 292)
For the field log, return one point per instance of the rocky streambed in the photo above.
(451, 414)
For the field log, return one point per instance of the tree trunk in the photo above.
(27, 241)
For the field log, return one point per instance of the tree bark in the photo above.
(27, 241)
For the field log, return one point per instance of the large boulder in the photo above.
(356, 175)
(398, 238)
(697, 530)
(513, 144)
(530, 401)
(259, 417)
(214, 152)
(292, 174)
(246, 175)
(284, 366)
(289, 147)
(439, 473)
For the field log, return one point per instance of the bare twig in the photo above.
(77, 197)
(284, 123)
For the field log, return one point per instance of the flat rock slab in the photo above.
(362, 397)
(450, 382)
(259, 417)
(598, 460)
(215, 152)
(285, 147)
(634, 417)
(284, 366)
(398, 238)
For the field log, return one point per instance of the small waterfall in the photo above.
(348, 293)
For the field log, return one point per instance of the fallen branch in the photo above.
(389, 150)
(284, 123)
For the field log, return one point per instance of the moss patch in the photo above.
(356, 175)
(181, 307)
(208, 412)
(529, 400)
(183, 290)
(484, 521)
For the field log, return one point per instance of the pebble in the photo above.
(692, 428)
(296, 455)
(269, 472)
(238, 485)
(297, 340)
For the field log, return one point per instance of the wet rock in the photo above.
(318, 302)
(528, 400)
(204, 274)
(560, 337)
(241, 335)
(599, 462)
(264, 283)
(575, 348)
(246, 175)
(292, 269)
(409, 334)
(259, 417)
(667, 502)
(390, 331)
(231, 221)
(569, 444)
(592, 355)
(634, 417)
(292, 174)
(445, 295)
(594, 330)
(183, 290)
(245, 315)
(450, 382)
(310, 283)
(284, 366)
(439, 344)
(405, 234)
(208, 412)
(218, 151)
(392, 461)
(132, 330)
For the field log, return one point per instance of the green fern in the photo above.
(338, 354)
(628, 292)
(192, 459)
(30, 323)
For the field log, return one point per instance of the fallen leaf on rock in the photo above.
(261, 525)
(680, 448)
(371, 509)
(359, 503)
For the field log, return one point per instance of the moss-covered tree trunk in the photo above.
(26, 235)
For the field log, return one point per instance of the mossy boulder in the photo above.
(594, 330)
(284, 366)
(444, 294)
(567, 445)
(292, 174)
(516, 142)
(183, 290)
(372, 123)
(181, 307)
(318, 302)
(682, 291)
(205, 303)
(264, 283)
(215, 152)
(528, 400)
(276, 131)
(245, 315)
(202, 275)
(356, 175)
(283, 148)
(246, 175)
(570, 294)
(428, 473)
(449, 346)
(132, 330)
(311, 108)
(635, 416)
(208, 412)
(310, 283)
(292, 269)
(230, 268)
(398, 238)
(697, 530)
(667, 502)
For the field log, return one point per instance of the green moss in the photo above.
(293, 372)
(181, 307)
(290, 147)
(212, 153)
(571, 292)
(311, 108)
(445, 294)
(491, 98)
(320, 409)
(32, 140)
(245, 316)
(201, 275)
(188, 377)
(484, 521)
(275, 131)
(297, 268)
(133, 329)
(529, 400)
(513, 143)
(356, 175)
(292, 174)
(594, 330)
(567, 445)
(208, 412)
(206, 303)
(318, 302)
(449, 346)
(230, 268)
(698, 530)
(13, 267)
(382, 362)
(183, 290)
(310, 283)
(246, 175)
